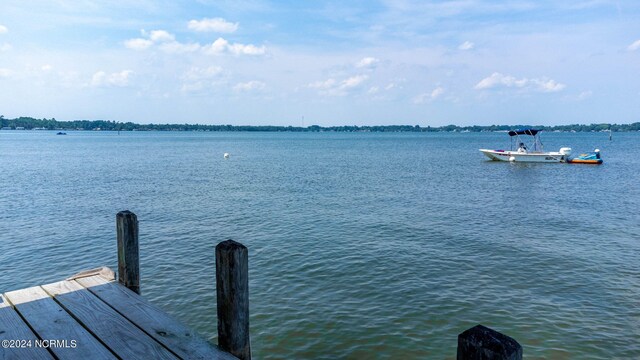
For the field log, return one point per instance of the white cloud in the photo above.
(353, 81)
(327, 84)
(101, 78)
(166, 42)
(138, 44)
(219, 25)
(240, 49)
(46, 67)
(635, 46)
(368, 62)
(497, 80)
(217, 47)
(196, 73)
(437, 92)
(335, 88)
(221, 46)
(198, 79)
(249, 86)
(5, 47)
(5, 72)
(153, 37)
(3, 29)
(98, 78)
(161, 36)
(377, 90)
(585, 95)
(175, 47)
(467, 45)
(192, 87)
(547, 85)
(426, 97)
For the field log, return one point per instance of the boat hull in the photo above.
(529, 157)
(583, 161)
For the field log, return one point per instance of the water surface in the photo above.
(361, 245)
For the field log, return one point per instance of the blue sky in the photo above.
(327, 63)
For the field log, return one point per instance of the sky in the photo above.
(302, 63)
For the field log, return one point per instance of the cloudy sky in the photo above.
(322, 62)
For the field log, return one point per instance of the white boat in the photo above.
(532, 153)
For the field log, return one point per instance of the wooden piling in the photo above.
(128, 250)
(232, 290)
(482, 343)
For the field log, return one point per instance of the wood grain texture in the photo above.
(128, 250)
(103, 271)
(119, 334)
(12, 327)
(52, 322)
(232, 291)
(158, 324)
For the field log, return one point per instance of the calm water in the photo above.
(360, 245)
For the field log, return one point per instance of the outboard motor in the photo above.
(565, 151)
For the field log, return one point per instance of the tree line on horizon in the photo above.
(29, 123)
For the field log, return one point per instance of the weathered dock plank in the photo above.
(119, 334)
(180, 339)
(54, 324)
(13, 328)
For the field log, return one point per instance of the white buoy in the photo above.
(226, 155)
(512, 159)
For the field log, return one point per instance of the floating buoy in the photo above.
(512, 159)
(226, 155)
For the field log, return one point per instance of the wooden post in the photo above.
(232, 291)
(482, 343)
(128, 250)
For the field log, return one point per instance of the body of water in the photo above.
(361, 245)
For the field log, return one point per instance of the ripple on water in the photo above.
(361, 245)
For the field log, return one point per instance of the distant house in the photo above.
(19, 127)
(6, 128)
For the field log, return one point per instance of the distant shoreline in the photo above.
(28, 123)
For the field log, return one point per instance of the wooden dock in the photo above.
(91, 316)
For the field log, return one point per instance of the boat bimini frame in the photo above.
(535, 144)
